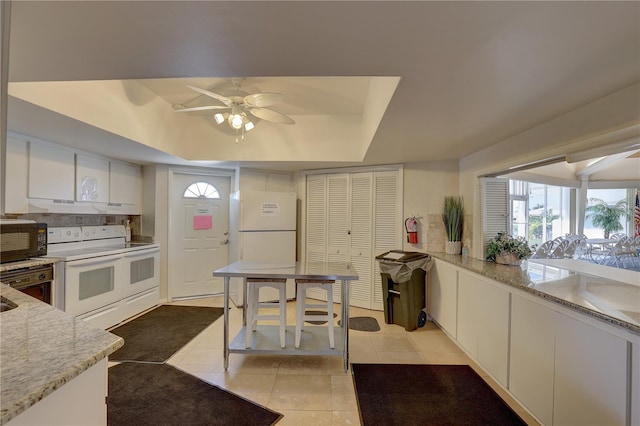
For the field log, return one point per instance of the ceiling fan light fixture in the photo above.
(219, 117)
(236, 121)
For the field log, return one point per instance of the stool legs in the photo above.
(254, 305)
(302, 305)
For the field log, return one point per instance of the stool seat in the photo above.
(302, 285)
(254, 305)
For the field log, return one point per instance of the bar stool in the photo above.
(254, 305)
(301, 307)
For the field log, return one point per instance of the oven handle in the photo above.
(93, 261)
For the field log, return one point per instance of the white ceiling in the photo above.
(471, 73)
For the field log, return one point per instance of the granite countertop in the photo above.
(36, 261)
(608, 294)
(42, 349)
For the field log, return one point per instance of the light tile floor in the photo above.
(315, 390)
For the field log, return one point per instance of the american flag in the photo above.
(636, 214)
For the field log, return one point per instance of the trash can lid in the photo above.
(402, 256)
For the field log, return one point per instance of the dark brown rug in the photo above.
(158, 334)
(159, 394)
(397, 394)
(363, 324)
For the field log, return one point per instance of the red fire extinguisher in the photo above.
(411, 225)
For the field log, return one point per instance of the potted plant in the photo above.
(452, 216)
(508, 250)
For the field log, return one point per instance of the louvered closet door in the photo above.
(316, 225)
(495, 207)
(387, 224)
(361, 227)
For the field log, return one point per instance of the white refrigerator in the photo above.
(266, 232)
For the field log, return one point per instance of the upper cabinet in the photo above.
(92, 179)
(125, 183)
(44, 177)
(51, 172)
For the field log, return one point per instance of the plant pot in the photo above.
(453, 247)
(508, 259)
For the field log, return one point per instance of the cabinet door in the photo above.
(590, 375)
(316, 223)
(468, 296)
(92, 179)
(532, 354)
(442, 295)
(338, 223)
(360, 230)
(483, 323)
(17, 163)
(51, 172)
(387, 223)
(125, 183)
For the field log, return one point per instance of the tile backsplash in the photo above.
(56, 219)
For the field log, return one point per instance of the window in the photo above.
(201, 190)
(539, 212)
(611, 197)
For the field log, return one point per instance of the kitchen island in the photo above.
(267, 335)
(47, 355)
(561, 336)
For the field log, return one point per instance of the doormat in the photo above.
(318, 313)
(159, 394)
(363, 324)
(158, 334)
(401, 394)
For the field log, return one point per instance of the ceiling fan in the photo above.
(240, 107)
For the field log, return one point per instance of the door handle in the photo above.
(224, 242)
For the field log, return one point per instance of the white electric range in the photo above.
(101, 278)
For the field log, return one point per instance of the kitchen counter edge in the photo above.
(518, 278)
(91, 345)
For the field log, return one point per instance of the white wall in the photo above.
(425, 186)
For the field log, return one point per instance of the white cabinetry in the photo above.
(532, 356)
(125, 183)
(483, 323)
(92, 179)
(590, 385)
(82, 401)
(352, 217)
(51, 172)
(443, 295)
(17, 167)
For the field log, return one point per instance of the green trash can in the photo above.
(403, 287)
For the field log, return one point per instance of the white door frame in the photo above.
(231, 174)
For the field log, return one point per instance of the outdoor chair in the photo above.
(544, 251)
(559, 249)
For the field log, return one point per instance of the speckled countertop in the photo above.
(36, 261)
(41, 349)
(606, 293)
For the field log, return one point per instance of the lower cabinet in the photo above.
(564, 367)
(81, 401)
(590, 380)
(483, 323)
(442, 295)
(531, 368)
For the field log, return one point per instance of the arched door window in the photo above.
(201, 190)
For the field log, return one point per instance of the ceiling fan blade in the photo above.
(263, 99)
(201, 108)
(271, 115)
(220, 98)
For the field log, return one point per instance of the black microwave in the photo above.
(22, 239)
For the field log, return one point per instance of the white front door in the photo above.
(198, 234)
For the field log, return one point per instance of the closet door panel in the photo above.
(361, 225)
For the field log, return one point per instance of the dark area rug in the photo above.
(158, 334)
(318, 313)
(393, 394)
(159, 394)
(363, 324)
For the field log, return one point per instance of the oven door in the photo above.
(92, 283)
(142, 269)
